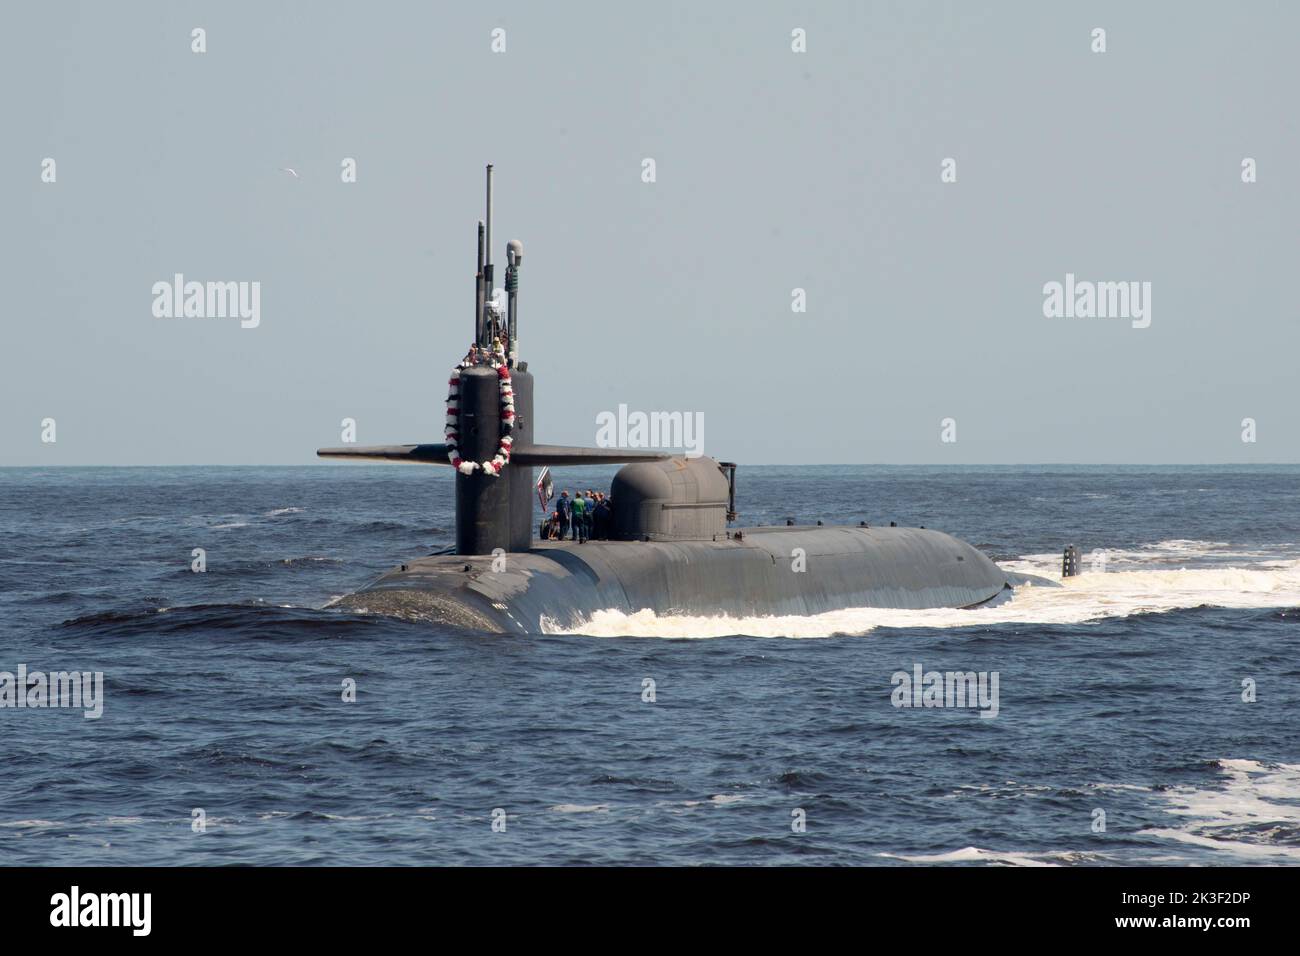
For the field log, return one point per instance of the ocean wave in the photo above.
(53, 597)
(29, 824)
(1251, 811)
(1171, 553)
(717, 800)
(974, 854)
(382, 526)
(581, 808)
(253, 619)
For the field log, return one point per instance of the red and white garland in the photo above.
(507, 392)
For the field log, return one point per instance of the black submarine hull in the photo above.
(559, 585)
(674, 551)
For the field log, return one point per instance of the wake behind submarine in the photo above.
(671, 547)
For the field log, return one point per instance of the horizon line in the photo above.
(768, 464)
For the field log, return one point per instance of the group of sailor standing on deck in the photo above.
(585, 517)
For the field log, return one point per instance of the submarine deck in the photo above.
(792, 570)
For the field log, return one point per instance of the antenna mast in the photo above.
(487, 262)
(478, 290)
(514, 256)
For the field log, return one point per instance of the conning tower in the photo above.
(489, 420)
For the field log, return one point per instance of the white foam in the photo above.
(1236, 847)
(30, 823)
(971, 854)
(717, 800)
(1170, 554)
(1253, 802)
(1130, 586)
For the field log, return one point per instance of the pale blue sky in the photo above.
(775, 170)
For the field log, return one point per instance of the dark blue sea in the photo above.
(1148, 712)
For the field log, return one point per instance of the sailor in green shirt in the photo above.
(579, 516)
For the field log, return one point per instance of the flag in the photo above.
(545, 489)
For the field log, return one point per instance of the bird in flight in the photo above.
(291, 172)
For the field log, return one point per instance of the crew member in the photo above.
(565, 507)
(579, 519)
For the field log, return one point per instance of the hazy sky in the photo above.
(775, 170)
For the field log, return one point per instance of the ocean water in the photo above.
(769, 741)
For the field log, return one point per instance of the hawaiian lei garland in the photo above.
(507, 392)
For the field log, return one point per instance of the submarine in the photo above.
(672, 547)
